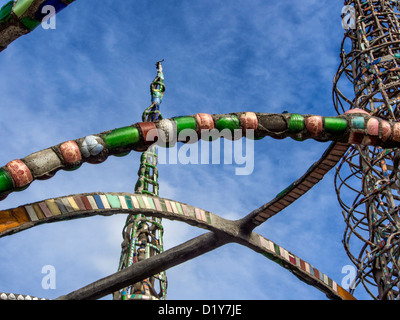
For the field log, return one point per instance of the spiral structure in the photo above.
(143, 236)
(367, 180)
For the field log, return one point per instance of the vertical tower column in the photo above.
(143, 236)
(366, 179)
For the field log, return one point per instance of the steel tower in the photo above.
(143, 235)
(366, 180)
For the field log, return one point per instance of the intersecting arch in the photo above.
(77, 206)
(86, 205)
(265, 212)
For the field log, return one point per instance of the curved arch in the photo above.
(200, 245)
(351, 128)
(90, 204)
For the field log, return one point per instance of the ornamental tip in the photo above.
(158, 65)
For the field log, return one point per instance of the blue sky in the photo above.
(92, 74)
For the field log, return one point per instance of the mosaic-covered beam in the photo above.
(12, 296)
(146, 268)
(302, 269)
(354, 127)
(90, 204)
(298, 188)
(86, 205)
(199, 245)
(20, 17)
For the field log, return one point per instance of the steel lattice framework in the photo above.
(143, 236)
(370, 62)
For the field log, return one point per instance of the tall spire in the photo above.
(370, 61)
(143, 236)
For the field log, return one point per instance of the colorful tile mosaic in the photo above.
(71, 205)
(316, 172)
(285, 258)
